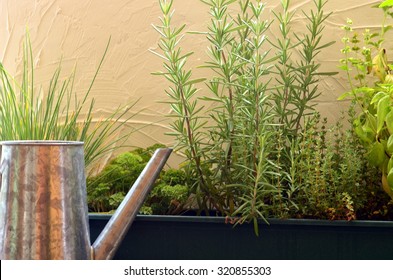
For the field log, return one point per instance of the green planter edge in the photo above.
(210, 238)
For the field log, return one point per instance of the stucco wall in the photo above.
(79, 30)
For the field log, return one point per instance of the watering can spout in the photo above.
(112, 235)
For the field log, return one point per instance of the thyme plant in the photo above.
(330, 171)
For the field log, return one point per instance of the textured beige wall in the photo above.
(79, 30)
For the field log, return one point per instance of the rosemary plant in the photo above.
(297, 81)
(233, 160)
(187, 125)
(241, 107)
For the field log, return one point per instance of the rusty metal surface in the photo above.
(43, 208)
(110, 238)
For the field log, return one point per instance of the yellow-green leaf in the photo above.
(389, 145)
(377, 97)
(387, 3)
(382, 110)
(390, 165)
(345, 95)
(376, 156)
(389, 79)
(389, 121)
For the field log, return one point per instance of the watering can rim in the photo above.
(41, 143)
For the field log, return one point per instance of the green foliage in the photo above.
(173, 177)
(331, 174)
(255, 89)
(297, 81)
(264, 152)
(146, 154)
(373, 124)
(27, 112)
(168, 199)
(106, 190)
(386, 3)
(170, 195)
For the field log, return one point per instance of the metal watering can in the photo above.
(43, 206)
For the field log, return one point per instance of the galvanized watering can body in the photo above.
(43, 206)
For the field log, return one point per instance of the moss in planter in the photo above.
(167, 199)
(107, 190)
(170, 193)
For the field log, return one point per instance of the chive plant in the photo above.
(27, 112)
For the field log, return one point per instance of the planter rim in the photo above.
(272, 221)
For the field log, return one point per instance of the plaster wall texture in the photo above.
(77, 32)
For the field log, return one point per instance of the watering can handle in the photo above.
(110, 238)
